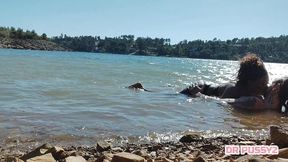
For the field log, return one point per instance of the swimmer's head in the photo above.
(252, 72)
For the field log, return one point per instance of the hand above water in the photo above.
(192, 90)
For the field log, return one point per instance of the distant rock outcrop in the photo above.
(30, 44)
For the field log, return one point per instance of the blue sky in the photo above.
(174, 19)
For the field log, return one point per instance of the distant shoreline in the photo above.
(30, 44)
(272, 49)
(59, 49)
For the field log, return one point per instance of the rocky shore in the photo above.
(190, 148)
(30, 44)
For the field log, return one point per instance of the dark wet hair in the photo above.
(251, 69)
(283, 92)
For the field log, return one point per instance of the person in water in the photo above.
(252, 80)
(276, 98)
(250, 91)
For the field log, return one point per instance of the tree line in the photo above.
(273, 49)
(6, 32)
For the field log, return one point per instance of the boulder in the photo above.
(283, 153)
(199, 159)
(117, 150)
(106, 155)
(251, 158)
(259, 160)
(13, 159)
(75, 159)
(137, 86)
(141, 153)
(58, 153)
(43, 149)
(42, 158)
(191, 137)
(166, 160)
(103, 146)
(279, 136)
(155, 147)
(127, 157)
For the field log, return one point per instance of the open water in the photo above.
(78, 98)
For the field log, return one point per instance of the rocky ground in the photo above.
(30, 44)
(190, 148)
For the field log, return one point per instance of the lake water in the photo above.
(78, 98)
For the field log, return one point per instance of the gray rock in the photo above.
(108, 156)
(13, 159)
(279, 136)
(166, 160)
(42, 158)
(251, 158)
(117, 149)
(127, 157)
(191, 137)
(37, 152)
(58, 153)
(141, 153)
(137, 86)
(103, 146)
(283, 153)
(199, 159)
(75, 159)
(258, 160)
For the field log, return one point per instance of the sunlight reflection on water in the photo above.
(56, 94)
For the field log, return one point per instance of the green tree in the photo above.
(44, 36)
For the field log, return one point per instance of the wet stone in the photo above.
(191, 137)
(279, 136)
(199, 159)
(42, 158)
(103, 146)
(117, 149)
(43, 149)
(12, 159)
(127, 157)
(283, 153)
(141, 153)
(166, 160)
(75, 159)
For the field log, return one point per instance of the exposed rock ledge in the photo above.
(30, 44)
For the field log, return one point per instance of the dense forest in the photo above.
(20, 34)
(273, 49)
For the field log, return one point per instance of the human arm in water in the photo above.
(249, 103)
(269, 102)
(205, 89)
